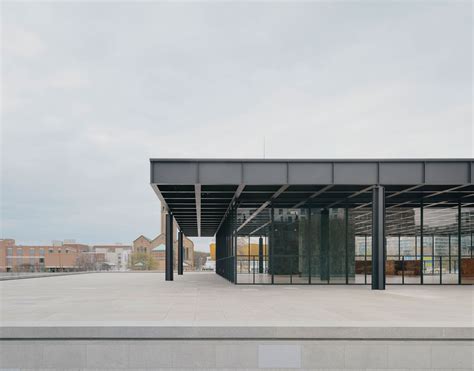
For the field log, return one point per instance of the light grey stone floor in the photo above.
(205, 299)
(107, 311)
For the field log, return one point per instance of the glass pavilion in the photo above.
(369, 222)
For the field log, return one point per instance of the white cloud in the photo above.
(91, 91)
(68, 79)
(21, 43)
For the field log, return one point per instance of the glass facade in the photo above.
(426, 244)
(304, 246)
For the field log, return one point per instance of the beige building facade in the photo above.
(51, 258)
(116, 256)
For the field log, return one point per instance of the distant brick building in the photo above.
(51, 258)
(156, 247)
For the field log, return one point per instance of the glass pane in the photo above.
(403, 227)
(287, 243)
(440, 245)
(338, 246)
(467, 247)
(318, 265)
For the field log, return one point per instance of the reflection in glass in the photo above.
(305, 246)
(467, 258)
(440, 245)
(403, 229)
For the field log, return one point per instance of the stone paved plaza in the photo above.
(202, 322)
(205, 299)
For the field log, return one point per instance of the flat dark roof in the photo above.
(200, 191)
(205, 159)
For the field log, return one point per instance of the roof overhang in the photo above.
(199, 191)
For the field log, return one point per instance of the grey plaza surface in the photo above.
(197, 300)
(201, 321)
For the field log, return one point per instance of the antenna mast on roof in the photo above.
(263, 147)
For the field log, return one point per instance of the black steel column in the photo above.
(459, 243)
(235, 249)
(309, 242)
(248, 250)
(432, 254)
(169, 247)
(449, 251)
(422, 242)
(260, 255)
(324, 247)
(270, 243)
(346, 244)
(378, 238)
(180, 253)
(365, 259)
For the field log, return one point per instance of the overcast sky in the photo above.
(91, 91)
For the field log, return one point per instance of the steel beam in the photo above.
(258, 228)
(378, 238)
(409, 189)
(263, 206)
(446, 190)
(314, 195)
(197, 192)
(237, 194)
(349, 197)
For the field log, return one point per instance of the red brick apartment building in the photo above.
(53, 258)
